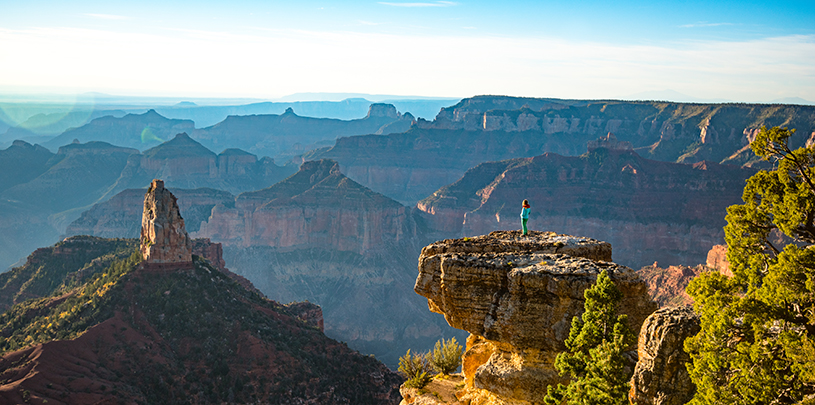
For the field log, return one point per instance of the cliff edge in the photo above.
(517, 296)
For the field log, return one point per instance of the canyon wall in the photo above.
(316, 207)
(650, 210)
(410, 166)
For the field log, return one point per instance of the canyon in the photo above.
(411, 165)
(650, 210)
(164, 325)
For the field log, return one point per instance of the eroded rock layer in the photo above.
(517, 296)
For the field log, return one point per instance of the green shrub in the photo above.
(446, 356)
(416, 368)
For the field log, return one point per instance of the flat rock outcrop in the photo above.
(164, 240)
(660, 377)
(517, 297)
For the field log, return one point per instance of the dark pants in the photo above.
(523, 223)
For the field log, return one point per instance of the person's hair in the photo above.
(526, 202)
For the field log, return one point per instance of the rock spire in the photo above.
(163, 236)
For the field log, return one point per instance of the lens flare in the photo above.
(50, 116)
(147, 136)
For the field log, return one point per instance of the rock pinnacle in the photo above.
(163, 236)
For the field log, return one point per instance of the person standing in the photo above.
(525, 216)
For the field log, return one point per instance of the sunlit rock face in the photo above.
(517, 296)
(163, 236)
(661, 376)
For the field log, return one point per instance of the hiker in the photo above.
(525, 215)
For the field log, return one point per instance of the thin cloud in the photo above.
(363, 22)
(433, 4)
(106, 16)
(704, 24)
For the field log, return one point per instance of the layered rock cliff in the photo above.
(517, 296)
(318, 207)
(410, 166)
(686, 132)
(649, 210)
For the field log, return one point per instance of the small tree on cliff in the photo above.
(757, 343)
(596, 343)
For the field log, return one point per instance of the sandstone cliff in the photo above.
(671, 131)
(410, 166)
(517, 296)
(648, 210)
(316, 207)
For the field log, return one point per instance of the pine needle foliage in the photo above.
(416, 368)
(596, 343)
(446, 356)
(757, 342)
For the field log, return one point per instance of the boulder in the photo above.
(660, 377)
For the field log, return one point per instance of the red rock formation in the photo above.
(214, 252)
(717, 260)
(163, 237)
(317, 207)
(667, 286)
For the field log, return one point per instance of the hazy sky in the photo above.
(735, 50)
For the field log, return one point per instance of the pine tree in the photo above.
(596, 343)
(756, 342)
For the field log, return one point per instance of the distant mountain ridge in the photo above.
(42, 192)
(289, 134)
(138, 131)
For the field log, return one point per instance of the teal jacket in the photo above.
(525, 213)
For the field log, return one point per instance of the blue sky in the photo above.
(741, 51)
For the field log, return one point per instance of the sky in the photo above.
(744, 51)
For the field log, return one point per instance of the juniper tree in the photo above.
(596, 343)
(756, 342)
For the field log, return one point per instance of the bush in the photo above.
(416, 368)
(446, 357)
